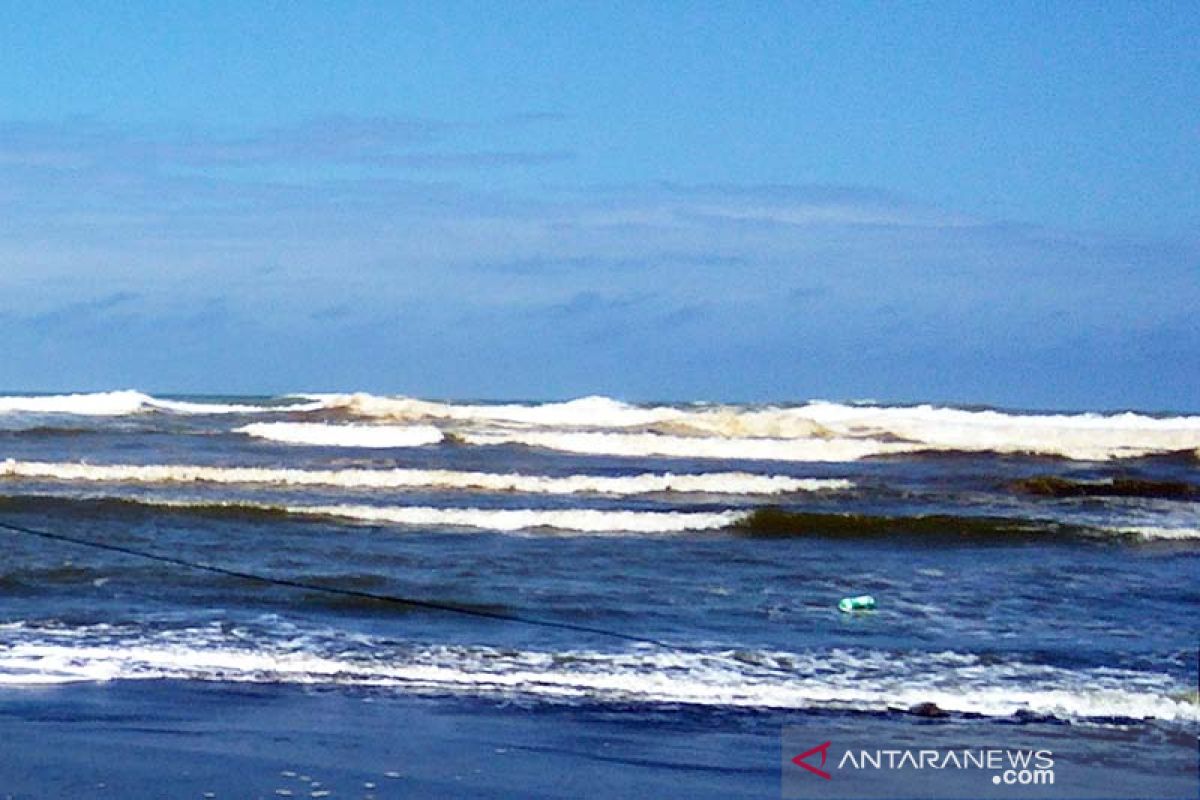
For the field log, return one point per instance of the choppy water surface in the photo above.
(1024, 564)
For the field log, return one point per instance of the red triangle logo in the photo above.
(823, 749)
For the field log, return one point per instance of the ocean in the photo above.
(1034, 574)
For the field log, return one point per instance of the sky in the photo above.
(948, 202)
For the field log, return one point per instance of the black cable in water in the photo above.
(316, 587)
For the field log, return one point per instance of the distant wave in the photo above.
(122, 403)
(598, 412)
(506, 520)
(642, 445)
(582, 520)
(757, 522)
(769, 522)
(863, 681)
(815, 431)
(1152, 532)
(832, 432)
(726, 483)
(185, 407)
(1088, 437)
(100, 404)
(322, 435)
(937, 427)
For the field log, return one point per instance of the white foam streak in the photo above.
(600, 412)
(872, 681)
(816, 431)
(322, 435)
(187, 407)
(100, 404)
(658, 445)
(726, 483)
(127, 402)
(573, 520)
(509, 520)
(1151, 532)
(1092, 437)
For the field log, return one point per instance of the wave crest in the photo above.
(815, 431)
(717, 483)
(323, 435)
(505, 520)
(128, 402)
(593, 411)
(642, 445)
(867, 681)
(98, 404)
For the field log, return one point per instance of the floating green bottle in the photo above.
(864, 602)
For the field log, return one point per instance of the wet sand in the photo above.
(138, 740)
(168, 739)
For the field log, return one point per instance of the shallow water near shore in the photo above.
(183, 739)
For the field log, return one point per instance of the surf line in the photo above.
(412, 602)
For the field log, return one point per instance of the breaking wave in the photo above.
(815, 431)
(1152, 532)
(718, 483)
(761, 522)
(870, 681)
(583, 520)
(636, 445)
(322, 435)
(507, 520)
(595, 412)
(126, 402)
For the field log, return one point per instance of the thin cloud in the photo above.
(395, 142)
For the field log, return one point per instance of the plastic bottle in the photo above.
(864, 602)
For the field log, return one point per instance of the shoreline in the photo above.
(179, 739)
(162, 738)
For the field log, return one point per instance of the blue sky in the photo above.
(944, 201)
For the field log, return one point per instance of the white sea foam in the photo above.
(188, 407)
(126, 402)
(1152, 532)
(816, 431)
(571, 520)
(587, 413)
(728, 483)
(323, 435)
(659, 445)
(1082, 436)
(99, 404)
(862, 681)
(813, 418)
(597, 412)
(579, 520)
(1078, 436)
